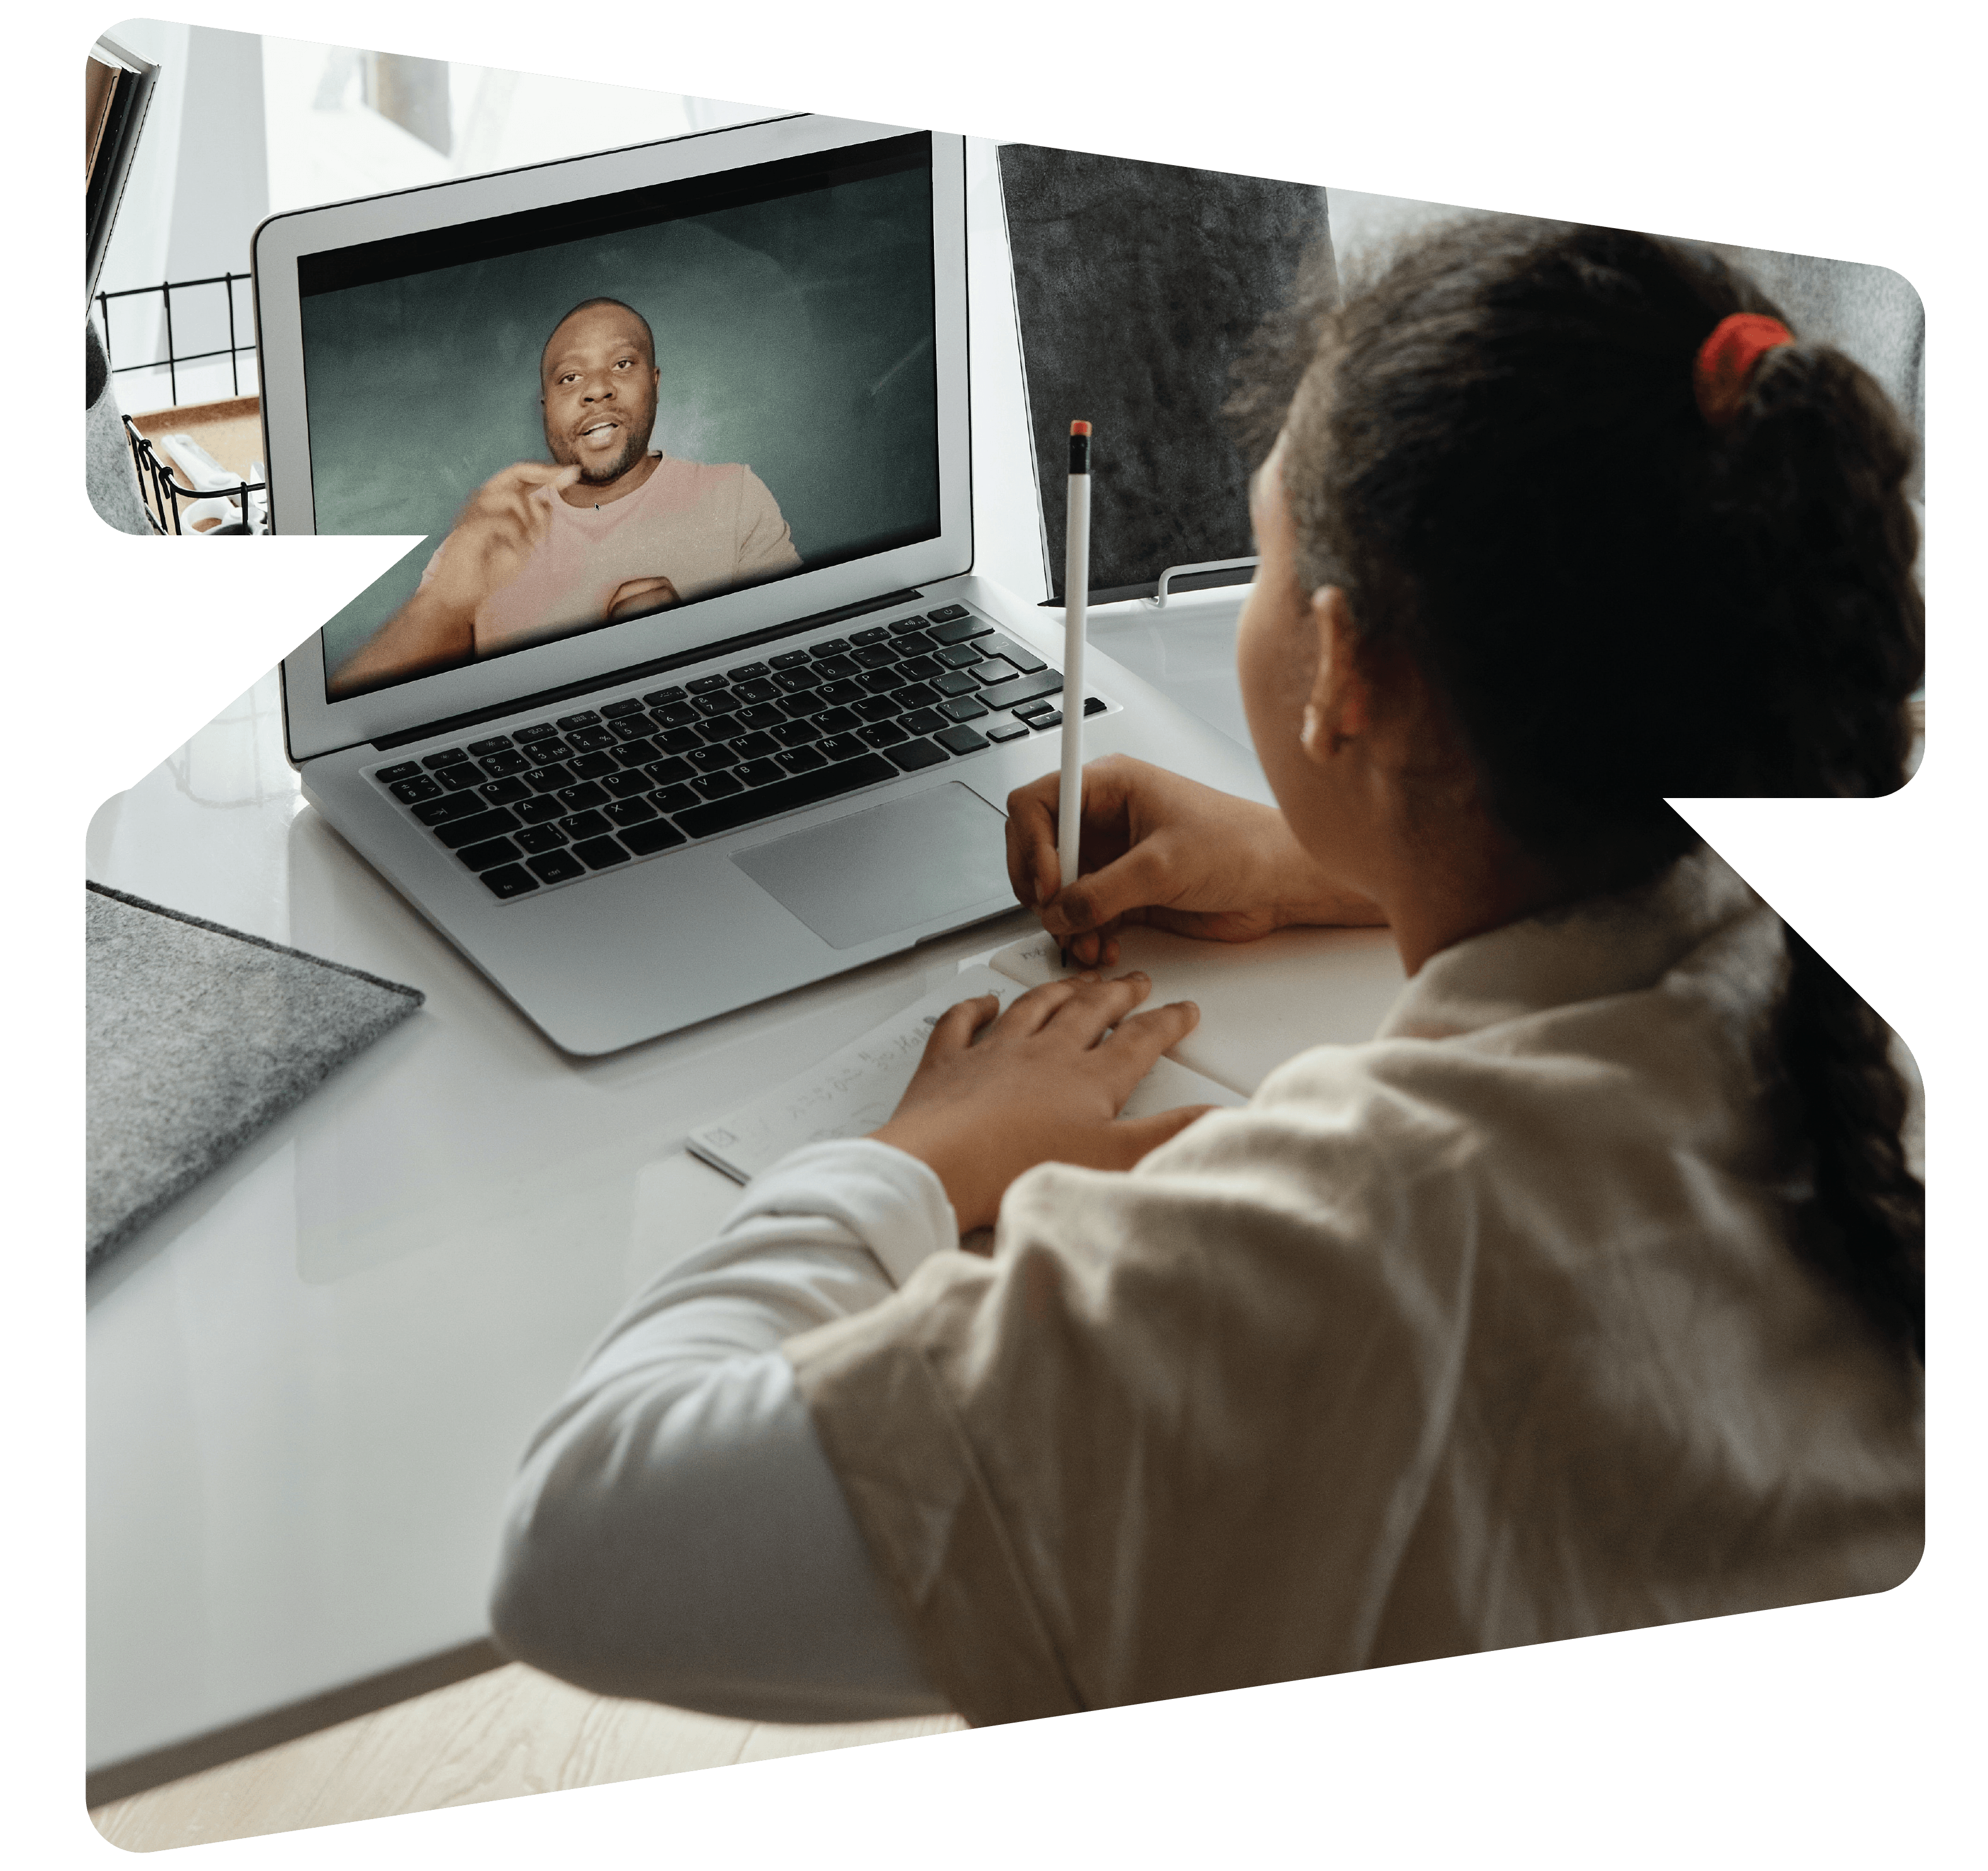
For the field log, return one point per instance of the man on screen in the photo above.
(609, 529)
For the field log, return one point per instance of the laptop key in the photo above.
(792, 681)
(585, 718)
(594, 766)
(899, 626)
(795, 734)
(754, 746)
(792, 659)
(718, 702)
(704, 685)
(1023, 688)
(916, 695)
(802, 759)
(539, 730)
(922, 721)
(546, 751)
(492, 852)
(959, 630)
(958, 656)
(994, 670)
(1092, 705)
(447, 757)
(450, 806)
(509, 880)
(627, 786)
(959, 740)
(808, 704)
(679, 740)
(715, 786)
(1038, 706)
(764, 715)
(875, 655)
(678, 714)
(758, 773)
(662, 698)
(843, 691)
(598, 853)
(589, 739)
(666, 772)
(843, 747)
(536, 812)
(673, 798)
(723, 727)
(962, 708)
(630, 722)
(477, 827)
(877, 707)
(408, 791)
(400, 769)
(507, 759)
(914, 755)
(797, 790)
(747, 672)
(954, 683)
(577, 798)
(711, 759)
(557, 866)
(835, 645)
(864, 639)
(494, 744)
(946, 612)
(1008, 731)
(658, 835)
(755, 688)
(881, 734)
(550, 779)
(1050, 718)
(921, 668)
(536, 838)
(917, 643)
(831, 667)
(881, 681)
(631, 811)
(838, 721)
(1025, 660)
(583, 825)
(504, 791)
(637, 753)
(614, 711)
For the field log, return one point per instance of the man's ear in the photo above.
(1341, 702)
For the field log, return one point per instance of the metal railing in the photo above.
(234, 351)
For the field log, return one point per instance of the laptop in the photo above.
(690, 695)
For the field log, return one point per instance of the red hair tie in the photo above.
(1726, 359)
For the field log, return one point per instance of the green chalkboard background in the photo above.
(794, 335)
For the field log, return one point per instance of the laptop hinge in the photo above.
(454, 723)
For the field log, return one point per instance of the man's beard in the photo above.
(634, 447)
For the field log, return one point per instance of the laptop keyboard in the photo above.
(552, 802)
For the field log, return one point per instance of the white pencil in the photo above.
(1076, 594)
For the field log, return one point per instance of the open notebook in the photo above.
(1260, 1003)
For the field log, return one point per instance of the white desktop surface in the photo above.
(311, 1379)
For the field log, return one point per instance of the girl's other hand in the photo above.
(1155, 848)
(996, 1093)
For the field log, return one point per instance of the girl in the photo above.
(1587, 1295)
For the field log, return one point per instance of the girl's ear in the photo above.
(1340, 706)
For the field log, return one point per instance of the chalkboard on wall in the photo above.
(1138, 286)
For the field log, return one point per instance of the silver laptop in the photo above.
(689, 695)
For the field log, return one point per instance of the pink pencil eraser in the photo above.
(1080, 428)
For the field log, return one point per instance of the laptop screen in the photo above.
(621, 407)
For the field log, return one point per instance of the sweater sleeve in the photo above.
(765, 542)
(675, 1533)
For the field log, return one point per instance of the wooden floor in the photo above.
(507, 1732)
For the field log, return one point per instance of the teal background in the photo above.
(1835, 1734)
(794, 335)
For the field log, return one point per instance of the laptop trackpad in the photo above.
(893, 867)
